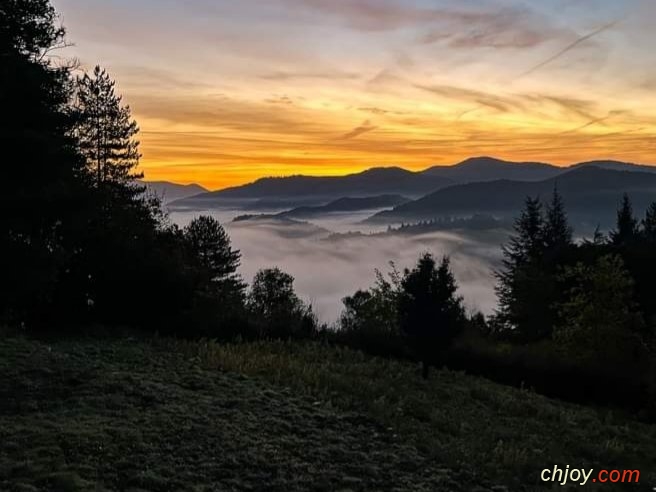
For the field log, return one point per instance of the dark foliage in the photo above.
(276, 310)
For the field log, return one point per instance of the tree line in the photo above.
(84, 244)
(576, 319)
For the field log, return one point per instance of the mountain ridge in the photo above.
(585, 188)
(318, 190)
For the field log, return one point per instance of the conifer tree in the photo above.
(649, 223)
(106, 132)
(627, 225)
(518, 281)
(557, 232)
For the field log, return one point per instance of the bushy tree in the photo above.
(600, 320)
(430, 311)
(370, 317)
(277, 311)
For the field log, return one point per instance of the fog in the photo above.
(327, 268)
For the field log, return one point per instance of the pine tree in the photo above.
(557, 232)
(649, 223)
(627, 225)
(209, 245)
(106, 132)
(517, 282)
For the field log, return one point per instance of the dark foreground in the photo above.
(134, 416)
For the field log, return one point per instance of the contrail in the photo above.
(570, 47)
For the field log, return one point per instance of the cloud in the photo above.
(279, 100)
(570, 47)
(326, 270)
(288, 75)
(498, 103)
(594, 121)
(506, 28)
(365, 127)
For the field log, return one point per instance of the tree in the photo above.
(430, 311)
(370, 317)
(41, 181)
(521, 281)
(626, 229)
(649, 223)
(210, 246)
(106, 131)
(557, 233)
(278, 311)
(600, 320)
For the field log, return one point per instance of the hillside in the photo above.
(317, 190)
(166, 415)
(169, 192)
(347, 204)
(489, 169)
(588, 191)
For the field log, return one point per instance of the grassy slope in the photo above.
(127, 415)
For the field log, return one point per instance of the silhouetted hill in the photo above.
(170, 192)
(616, 166)
(316, 190)
(588, 191)
(347, 204)
(489, 169)
(309, 191)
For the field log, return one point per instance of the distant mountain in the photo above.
(317, 190)
(589, 192)
(347, 204)
(170, 192)
(616, 166)
(274, 194)
(490, 169)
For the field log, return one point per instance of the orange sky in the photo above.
(226, 92)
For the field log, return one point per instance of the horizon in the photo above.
(226, 93)
(391, 166)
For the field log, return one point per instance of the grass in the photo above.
(165, 415)
(502, 433)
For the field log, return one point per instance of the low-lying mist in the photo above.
(329, 267)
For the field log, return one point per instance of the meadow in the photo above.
(164, 415)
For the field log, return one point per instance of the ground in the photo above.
(163, 415)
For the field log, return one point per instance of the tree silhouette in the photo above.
(430, 311)
(557, 232)
(106, 131)
(278, 311)
(649, 223)
(41, 185)
(519, 281)
(627, 225)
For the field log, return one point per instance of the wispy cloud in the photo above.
(365, 127)
(569, 47)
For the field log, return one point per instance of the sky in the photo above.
(226, 92)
